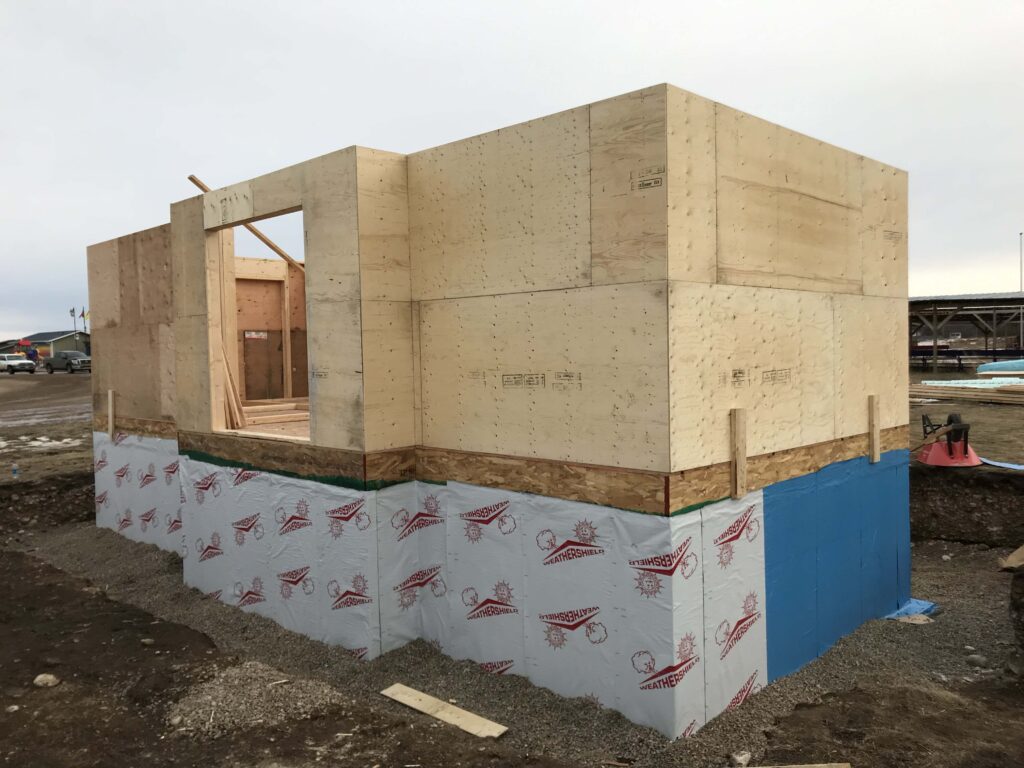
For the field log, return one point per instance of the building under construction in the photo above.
(614, 399)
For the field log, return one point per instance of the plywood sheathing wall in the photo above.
(132, 314)
(599, 286)
(538, 266)
(324, 189)
(201, 263)
(796, 309)
(387, 314)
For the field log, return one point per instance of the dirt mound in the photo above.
(29, 507)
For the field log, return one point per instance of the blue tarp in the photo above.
(837, 553)
(912, 606)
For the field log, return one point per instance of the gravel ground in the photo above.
(247, 695)
(968, 585)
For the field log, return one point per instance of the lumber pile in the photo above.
(1009, 395)
(276, 411)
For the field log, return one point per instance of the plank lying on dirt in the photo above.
(809, 765)
(442, 710)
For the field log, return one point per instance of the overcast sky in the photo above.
(106, 107)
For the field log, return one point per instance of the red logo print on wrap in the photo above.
(146, 476)
(102, 500)
(670, 676)
(296, 521)
(119, 438)
(125, 520)
(122, 475)
(173, 523)
(351, 512)
(689, 730)
(147, 519)
(748, 689)
(425, 577)
(559, 623)
(359, 653)
(728, 635)
(240, 476)
(744, 526)
(250, 525)
(297, 577)
(582, 545)
(430, 515)
(101, 462)
(211, 550)
(208, 484)
(650, 569)
(349, 597)
(171, 471)
(499, 605)
(250, 596)
(215, 595)
(477, 518)
(497, 667)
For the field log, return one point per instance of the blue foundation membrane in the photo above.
(837, 553)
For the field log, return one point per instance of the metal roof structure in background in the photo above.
(971, 299)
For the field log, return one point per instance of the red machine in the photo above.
(954, 451)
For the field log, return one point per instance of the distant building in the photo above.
(50, 342)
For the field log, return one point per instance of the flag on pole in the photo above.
(83, 313)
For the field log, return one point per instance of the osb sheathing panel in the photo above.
(130, 293)
(576, 375)
(503, 212)
(767, 350)
(692, 204)
(628, 187)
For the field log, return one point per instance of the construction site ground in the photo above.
(153, 673)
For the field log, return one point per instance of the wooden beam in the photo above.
(442, 710)
(255, 232)
(738, 430)
(874, 431)
(286, 334)
(110, 413)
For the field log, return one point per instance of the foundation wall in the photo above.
(669, 620)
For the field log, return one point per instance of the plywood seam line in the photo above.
(564, 289)
(255, 232)
(590, 187)
(362, 319)
(714, 137)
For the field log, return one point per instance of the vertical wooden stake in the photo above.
(738, 429)
(110, 413)
(874, 432)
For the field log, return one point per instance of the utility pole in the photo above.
(1020, 309)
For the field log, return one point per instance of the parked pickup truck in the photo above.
(14, 363)
(72, 362)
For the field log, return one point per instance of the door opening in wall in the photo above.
(269, 357)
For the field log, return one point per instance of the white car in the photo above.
(14, 363)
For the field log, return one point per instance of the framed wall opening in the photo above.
(269, 359)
